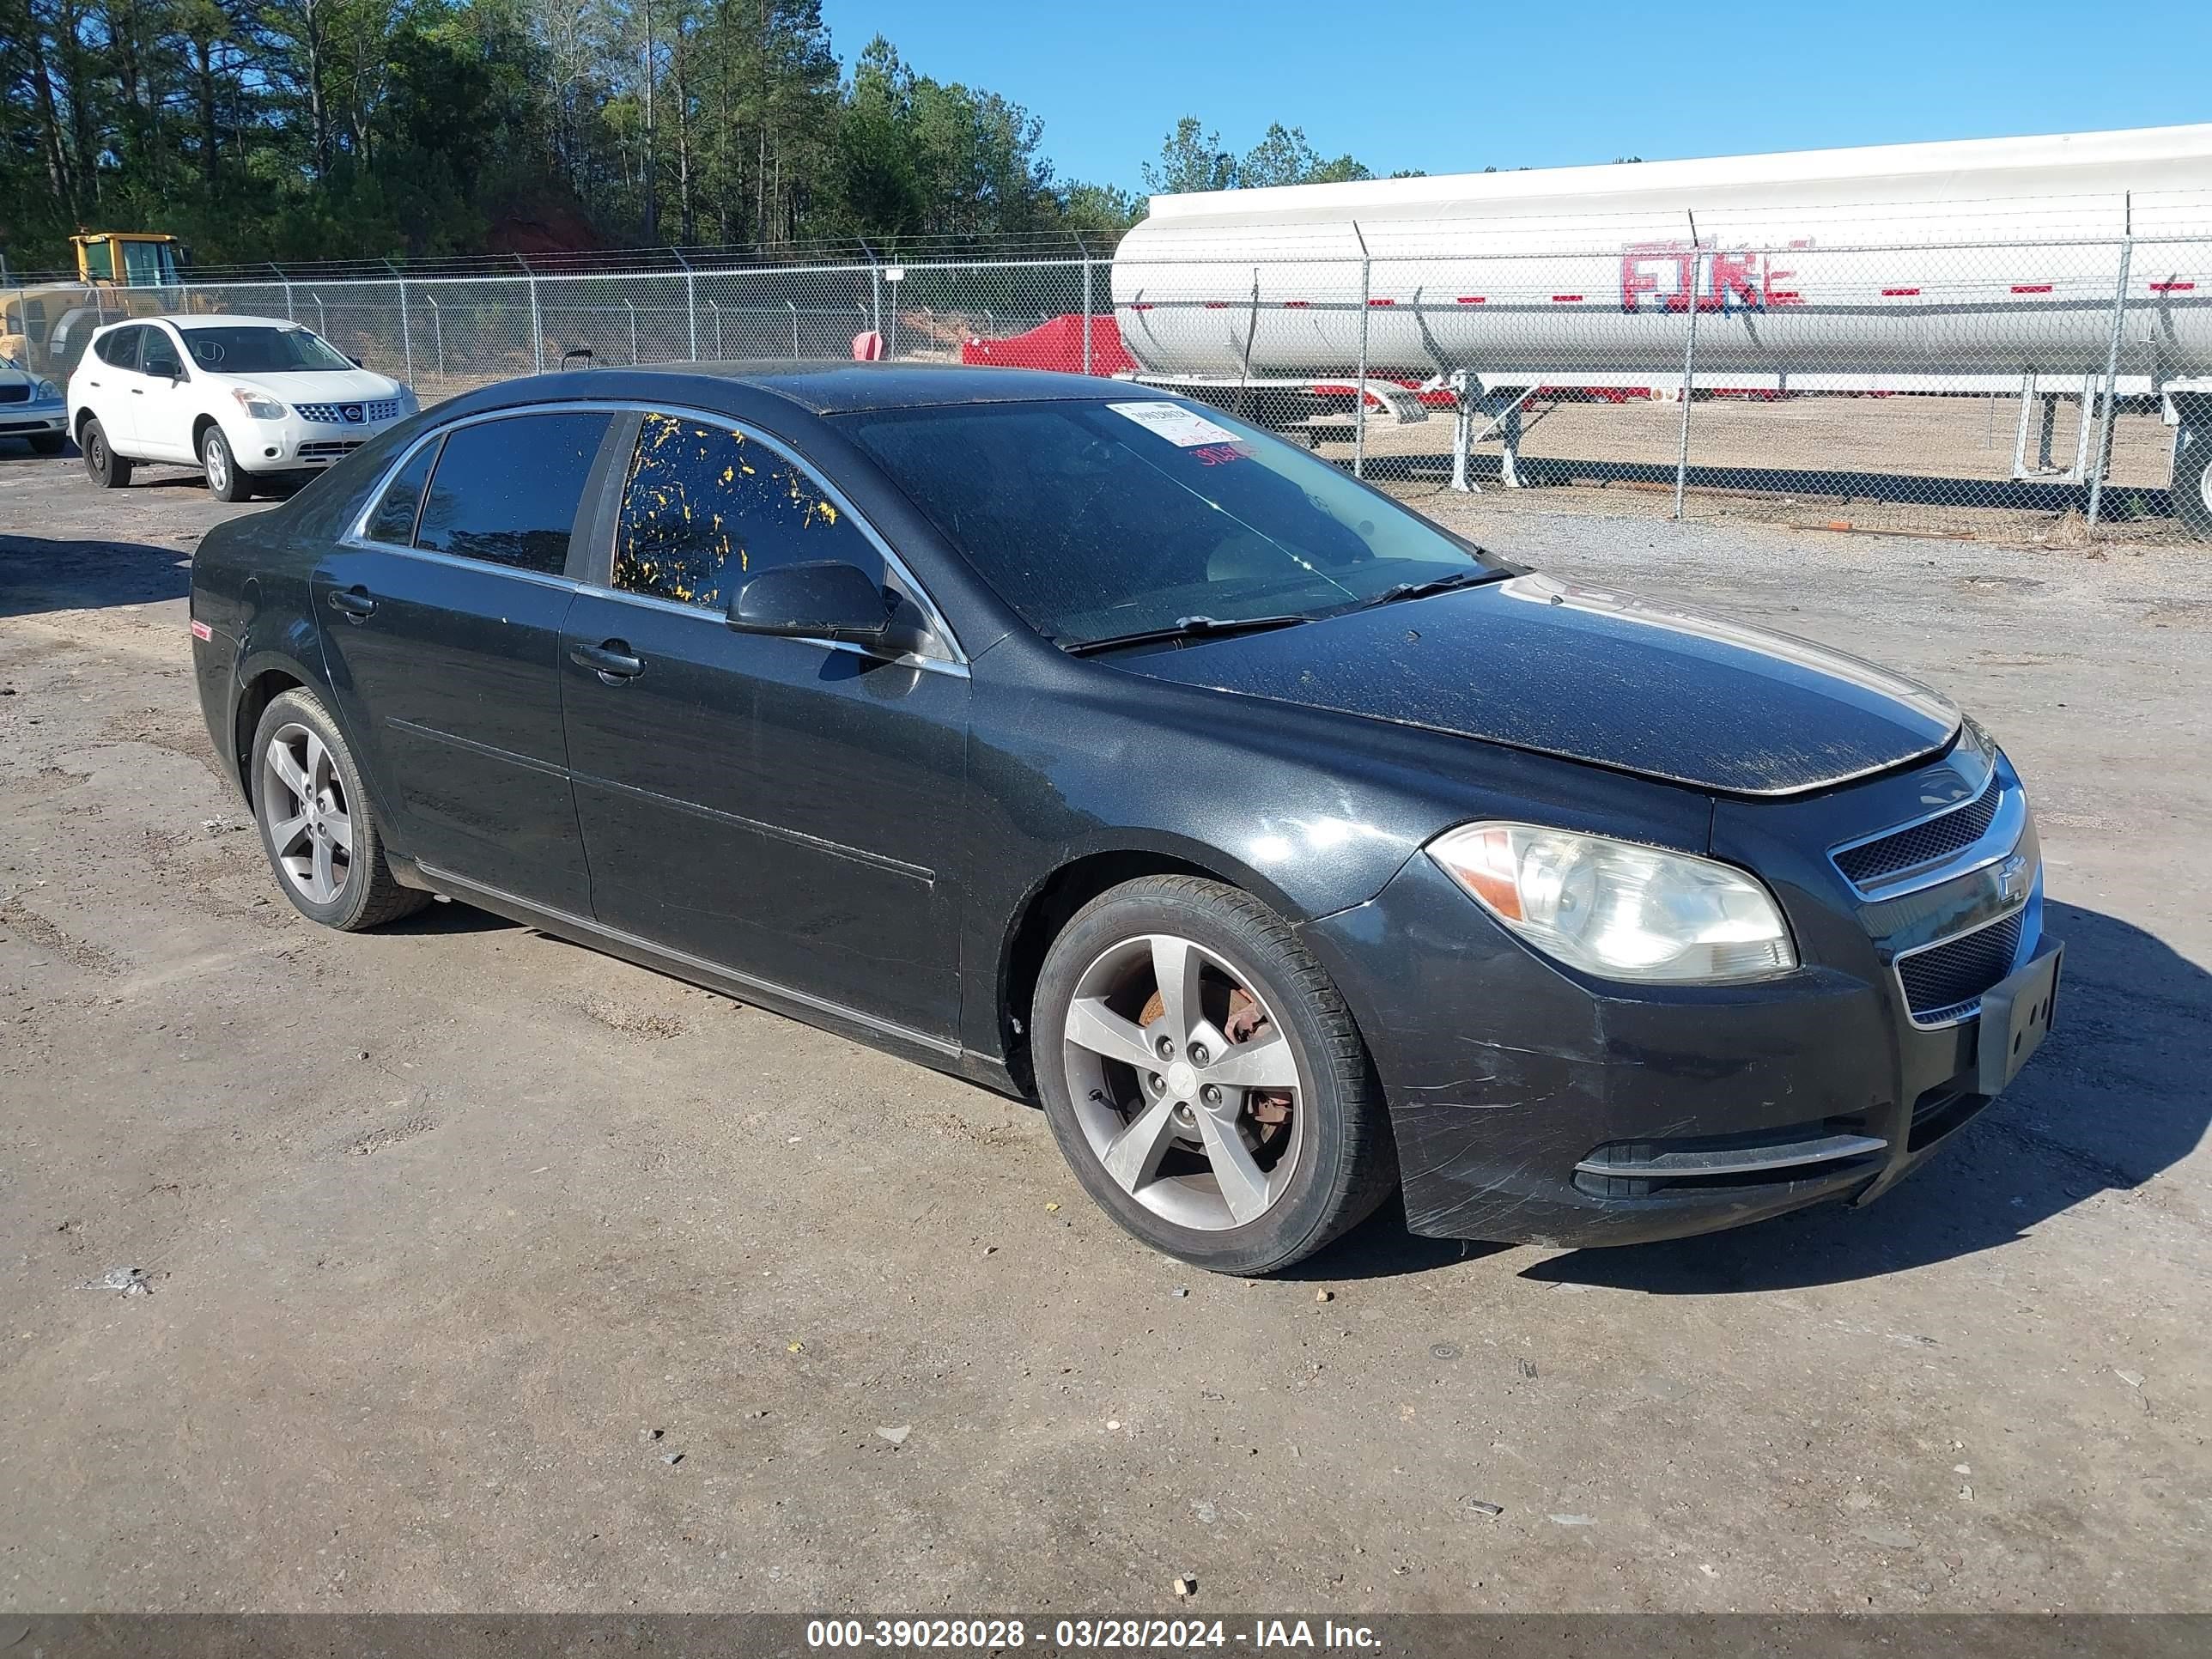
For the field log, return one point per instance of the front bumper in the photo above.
(33, 420)
(1531, 1104)
(294, 445)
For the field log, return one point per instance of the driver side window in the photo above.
(705, 509)
(159, 355)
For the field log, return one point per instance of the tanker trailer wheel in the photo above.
(2192, 478)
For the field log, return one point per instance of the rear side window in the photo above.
(506, 491)
(392, 519)
(705, 509)
(120, 349)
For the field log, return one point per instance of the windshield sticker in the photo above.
(1183, 427)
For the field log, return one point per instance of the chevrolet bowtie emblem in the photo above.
(2012, 879)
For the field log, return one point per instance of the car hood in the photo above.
(1541, 665)
(324, 387)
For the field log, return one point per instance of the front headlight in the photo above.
(1616, 909)
(257, 405)
(45, 391)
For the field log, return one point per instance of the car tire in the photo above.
(226, 479)
(48, 443)
(2192, 478)
(1147, 1128)
(102, 465)
(316, 823)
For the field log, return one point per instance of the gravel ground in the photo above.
(487, 1273)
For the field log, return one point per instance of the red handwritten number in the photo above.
(1218, 454)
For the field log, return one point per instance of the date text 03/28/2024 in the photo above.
(1167, 1634)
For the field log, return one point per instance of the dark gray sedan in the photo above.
(1086, 742)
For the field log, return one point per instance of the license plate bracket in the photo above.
(2016, 1015)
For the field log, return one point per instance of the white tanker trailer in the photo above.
(1986, 266)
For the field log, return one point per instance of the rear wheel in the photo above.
(315, 821)
(2192, 479)
(225, 482)
(48, 443)
(102, 465)
(1204, 1079)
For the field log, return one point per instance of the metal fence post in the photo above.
(536, 326)
(1689, 366)
(715, 305)
(690, 299)
(1086, 309)
(1359, 386)
(2112, 379)
(406, 335)
(286, 281)
(633, 331)
(438, 328)
(792, 307)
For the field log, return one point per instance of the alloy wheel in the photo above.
(1185, 1085)
(214, 461)
(304, 810)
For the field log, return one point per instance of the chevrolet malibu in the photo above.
(1084, 743)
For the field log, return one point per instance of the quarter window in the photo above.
(506, 491)
(393, 520)
(705, 508)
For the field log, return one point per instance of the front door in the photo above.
(785, 808)
(441, 629)
(163, 411)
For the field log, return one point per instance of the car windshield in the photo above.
(262, 350)
(1097, 520)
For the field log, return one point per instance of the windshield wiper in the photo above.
(1434, 585)
(1185, 628)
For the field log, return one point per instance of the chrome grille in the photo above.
(1873, 863)
(348, 414)
(1944, 983)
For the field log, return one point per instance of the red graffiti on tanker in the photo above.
(1664, 276)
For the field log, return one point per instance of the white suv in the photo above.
(238, 397)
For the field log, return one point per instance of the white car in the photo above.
(31, 407)
(241, 397)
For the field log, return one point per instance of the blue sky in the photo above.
(1458, 87)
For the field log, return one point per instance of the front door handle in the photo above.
(138, 391)
(354, 602)
(612, 661)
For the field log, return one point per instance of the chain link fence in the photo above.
(2030, 389)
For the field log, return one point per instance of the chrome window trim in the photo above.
(677, 607)
(356, 533)
(1973, 1008)
(1992, 846)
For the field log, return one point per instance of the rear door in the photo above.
(113, 388)
(441, 619)
(790, 808)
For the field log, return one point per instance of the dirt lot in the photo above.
(457, 1236)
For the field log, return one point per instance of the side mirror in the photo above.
(357, 362)
(822, 599)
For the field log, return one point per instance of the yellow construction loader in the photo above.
(44, 326)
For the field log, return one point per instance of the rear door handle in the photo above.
(611, 661)
(354, 602)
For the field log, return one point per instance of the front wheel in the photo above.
(2192, 479)
(1204, 1079)
(316, 824)
(225, 482)
(102, 465)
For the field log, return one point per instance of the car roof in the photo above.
(828, 388)
(198, 319)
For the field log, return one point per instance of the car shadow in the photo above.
(2116, 1095)
(37, 573)
(445, 916)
